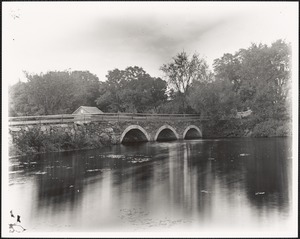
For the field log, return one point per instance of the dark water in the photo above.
(196, 185)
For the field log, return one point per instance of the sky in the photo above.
(100, 36)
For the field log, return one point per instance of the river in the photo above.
(201, 186)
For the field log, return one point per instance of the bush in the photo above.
(34, 140)
(31, 141)
(247, 127)
(272, 128)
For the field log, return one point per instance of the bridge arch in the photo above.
(166, 133)
(192, 132)
(134, 133)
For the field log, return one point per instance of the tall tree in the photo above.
(261, 77)
(131, 90)
(85, 89)
(54, 92)
(51, 92)
(215, 99)
(228, 68)
(110, 90)
(181, 72)
(19, 100)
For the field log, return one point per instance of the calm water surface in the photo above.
(192, 185)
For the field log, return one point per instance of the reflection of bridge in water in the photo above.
(122, 127)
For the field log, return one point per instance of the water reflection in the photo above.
(196, 184)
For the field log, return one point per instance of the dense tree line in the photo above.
(256, 78)
(131, 90)
(53, 93)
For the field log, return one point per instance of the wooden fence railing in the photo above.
(67, 118)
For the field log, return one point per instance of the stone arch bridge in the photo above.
(115, 128)
(158, 131)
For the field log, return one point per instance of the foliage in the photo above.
(272, 127)
(30, 141)
(182, 72)
(50, 92)
(19, 100)
(215, 99)
(131, 90)
(55, 92)
(260, 76)
(34, 140)
(85, 87)
(257, 78)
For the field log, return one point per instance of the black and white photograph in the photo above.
(149, 119)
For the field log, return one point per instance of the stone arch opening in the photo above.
(192, 132)
(166, 133)
(134, 133)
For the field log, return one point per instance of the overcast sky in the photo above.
(100, 36)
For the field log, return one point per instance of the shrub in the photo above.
(272, 128)
(34, 140)
(30, 141)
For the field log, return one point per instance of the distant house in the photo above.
(84, 114)
(244, 114)
(87, 110)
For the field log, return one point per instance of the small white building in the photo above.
(87, 110)
(243, 114)
(83, 114)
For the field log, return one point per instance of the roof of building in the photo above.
(88, 110)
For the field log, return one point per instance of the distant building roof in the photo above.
(244, 114)
(87, 110)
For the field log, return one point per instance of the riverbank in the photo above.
(248, 128)
(35, 141)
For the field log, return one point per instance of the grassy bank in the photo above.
(35, 141)
(248, 128)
